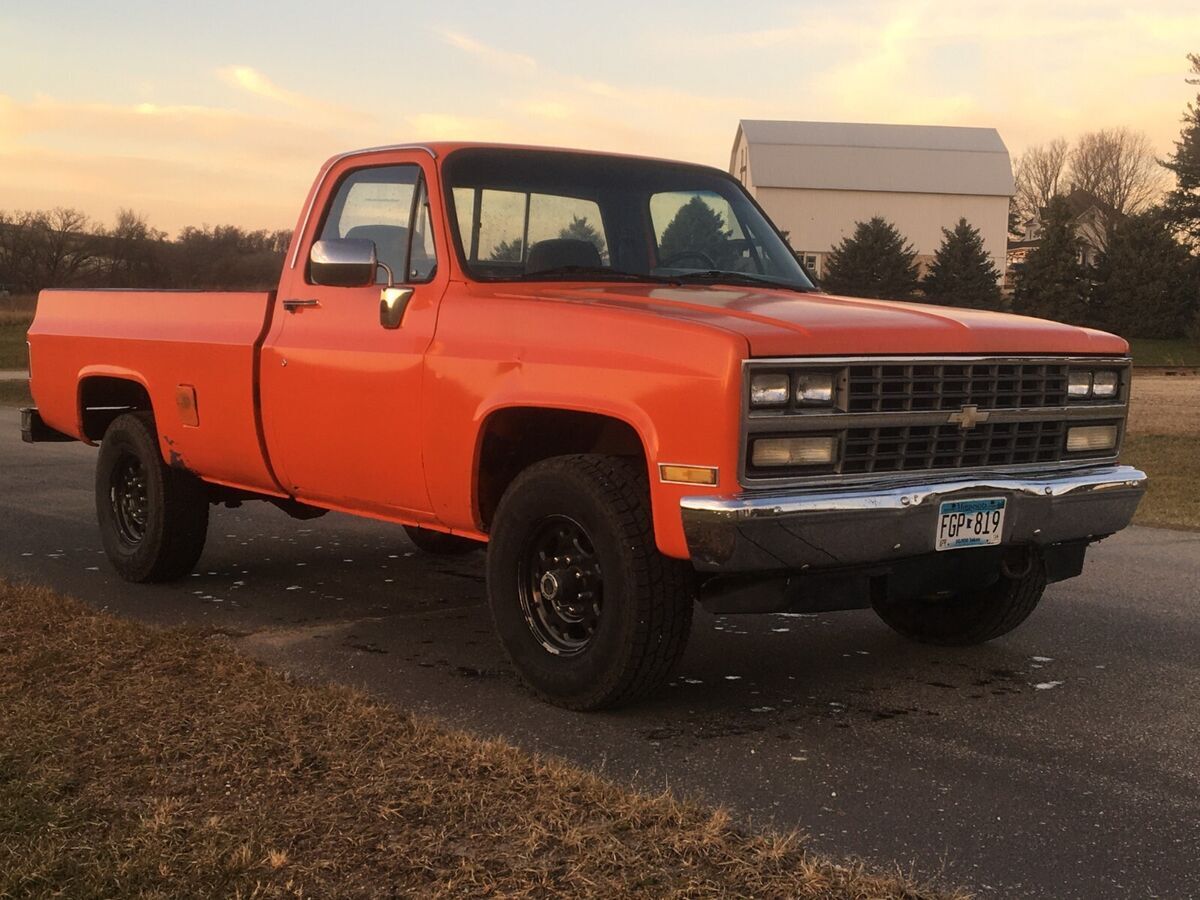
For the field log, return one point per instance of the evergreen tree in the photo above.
(1052, 283)
(962, 273)
(581, 229)
(696, 229)
(1183, 203)
(874, 262)
(507, 251)
(1146, 280)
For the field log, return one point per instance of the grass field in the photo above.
(1179, 352)
(13, 325)
(137, 762)
(16, 314)
(15, 393)
(1164, 441)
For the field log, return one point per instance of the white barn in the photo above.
(817, 179)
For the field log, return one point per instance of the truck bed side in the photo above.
(92, 349)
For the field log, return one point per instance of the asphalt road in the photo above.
(1061, 761)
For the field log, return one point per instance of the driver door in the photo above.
(341, 391)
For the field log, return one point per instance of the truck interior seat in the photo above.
(391, 243)
(559, 252)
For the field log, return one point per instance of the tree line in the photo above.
(1144, 281)
(64, 248)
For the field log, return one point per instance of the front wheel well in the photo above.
(104, 397)
(515, 438)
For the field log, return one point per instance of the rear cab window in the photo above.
(512, 222)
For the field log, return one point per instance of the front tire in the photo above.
(153, 519)
(968, 617)
(590, 613)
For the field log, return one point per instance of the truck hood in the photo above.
(787, 323)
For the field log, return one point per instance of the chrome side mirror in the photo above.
(343, 262)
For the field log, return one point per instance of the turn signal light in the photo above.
(803, 451)
(1091, 437)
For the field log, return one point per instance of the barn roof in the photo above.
(926, 159)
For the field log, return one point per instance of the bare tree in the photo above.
(132, 252)
(1039, 175)
(45, 249)
(1117, 166)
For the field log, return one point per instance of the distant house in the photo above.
(817, 179)
(1091, 217)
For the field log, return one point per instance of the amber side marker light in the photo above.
(673, 474)
(185, 402)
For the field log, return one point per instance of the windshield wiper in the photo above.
(597, 272)
(718, 276)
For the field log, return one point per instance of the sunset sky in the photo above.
(222, 111)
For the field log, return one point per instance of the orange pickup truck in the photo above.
(613, 372)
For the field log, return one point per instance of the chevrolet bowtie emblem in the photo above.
(968, 417)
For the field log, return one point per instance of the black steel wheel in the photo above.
(560, 585)
(127, 494)
(153, 518)
(590, 612)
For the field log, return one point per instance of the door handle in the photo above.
(393, 301)
(293, 305)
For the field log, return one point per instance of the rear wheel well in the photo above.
(515, 438)
(103, 397)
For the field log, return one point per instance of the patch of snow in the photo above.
(762, 709)
(733, 677)
(293, 587)
(1042, 659)
(780, 630)
(1047, 685)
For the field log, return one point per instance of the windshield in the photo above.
(530, 215)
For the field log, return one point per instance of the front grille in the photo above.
(919, 386)
(916, 447)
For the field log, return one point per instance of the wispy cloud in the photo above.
(255, 82)
(505, 60)
(251, 81)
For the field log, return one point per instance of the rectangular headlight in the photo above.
(1084, 438)
(802, 451)
(1079, 384)
(814, 388)
(769, 390)
(1104, 383)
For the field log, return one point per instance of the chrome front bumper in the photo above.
(823, 528)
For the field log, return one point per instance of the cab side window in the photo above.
(388, 205)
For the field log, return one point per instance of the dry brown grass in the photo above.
(15, 393)
(16, 315)
(145, 763)
(1164, 441)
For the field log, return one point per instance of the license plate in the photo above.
(970, 523)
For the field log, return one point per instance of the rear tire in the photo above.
(591, 614)
(153, 518)
(439, 543)
(968, 617)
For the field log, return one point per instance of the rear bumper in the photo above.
(34, 430)
(827, 528)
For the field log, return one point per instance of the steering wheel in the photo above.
(670, 262)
